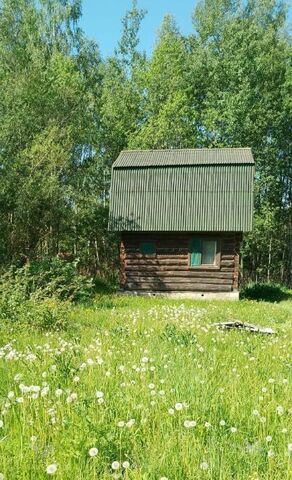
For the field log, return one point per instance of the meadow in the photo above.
(148, 389)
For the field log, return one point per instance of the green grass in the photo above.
(148, 356)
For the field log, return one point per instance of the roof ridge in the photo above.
(183, 149)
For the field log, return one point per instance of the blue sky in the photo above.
(102, 20)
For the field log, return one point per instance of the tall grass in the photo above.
(157, 390)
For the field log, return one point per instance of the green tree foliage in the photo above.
(168, 117)
(51, 87)
(122, 90)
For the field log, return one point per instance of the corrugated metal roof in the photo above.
(195, 156)
(189, 197)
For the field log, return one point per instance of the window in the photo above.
(203, 252)
(148, 248)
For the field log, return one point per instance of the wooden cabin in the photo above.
(181, 215)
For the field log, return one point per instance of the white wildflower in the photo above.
(51, 469)
(115, 465)
(204, 466)
(130, 423)
(280, 410)
(93, 452)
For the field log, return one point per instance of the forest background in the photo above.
(66, 113)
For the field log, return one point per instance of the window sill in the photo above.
(205, 267)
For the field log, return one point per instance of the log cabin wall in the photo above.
(168, 270)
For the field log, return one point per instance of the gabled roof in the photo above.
(208, 190)
(190, 156)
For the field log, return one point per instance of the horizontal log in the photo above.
(158, 256)
(174, 268)
(227, 263)
(190, 273)
(152, 261)
(176, 287)
(225, 256)
(157, 268)
(164, 280)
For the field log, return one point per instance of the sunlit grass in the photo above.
(147, 389)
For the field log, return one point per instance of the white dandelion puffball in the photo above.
(233, 429)
(115, 465)
(269, 438)
(171, 411)
(204, 466)
(178, 406)
(93, 452)
(99, 394)
(280, 410)
(222, 423)
(289, 447)
(1, 476)
(271, 453)
(58, 392)
(51, 469)
(163, 478)
(126, 464)
(190, 423)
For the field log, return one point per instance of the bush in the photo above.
(38, 295)
(269, 292)
(46, 315)
(42, 314)
(50, 278)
